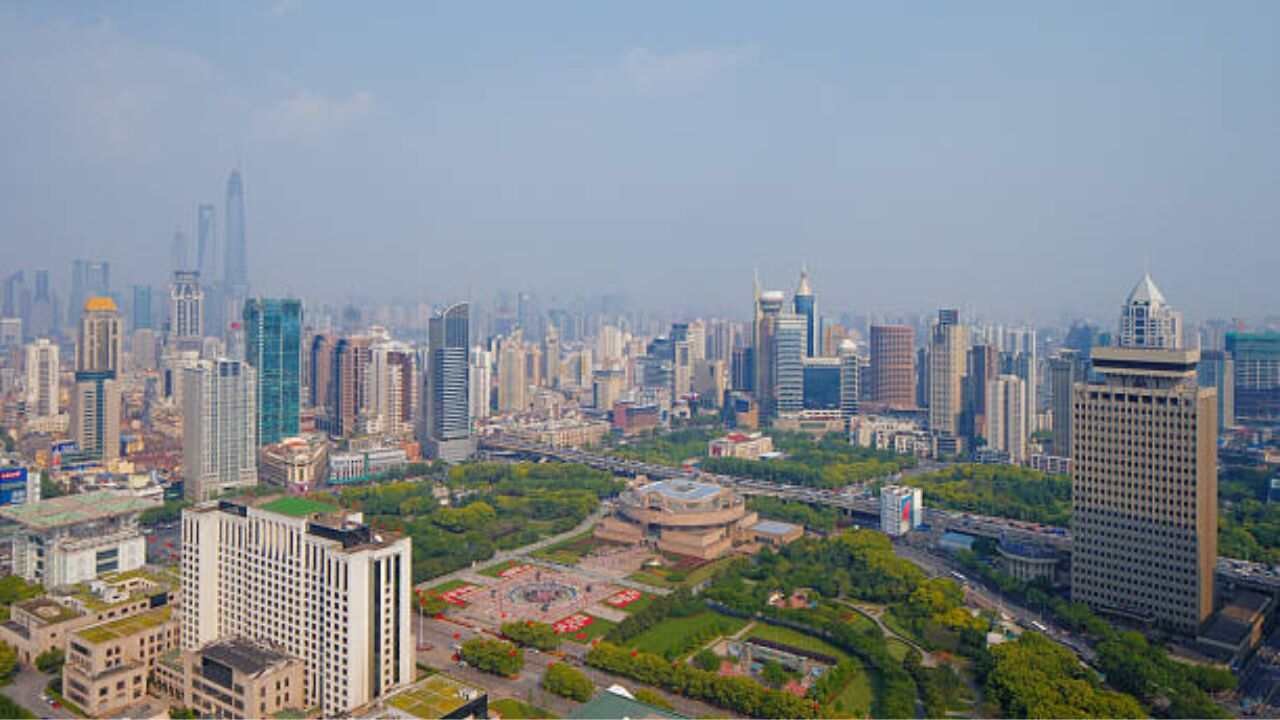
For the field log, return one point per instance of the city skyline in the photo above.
(727, 145)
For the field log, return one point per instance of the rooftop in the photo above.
(434, 697)
(608, 705)
(100, 304)
(1146, 291)
(124, 627)
(244, 655)
(298, 506)
(75, 509)
(682, 489)
(773, 527)
(48, 610)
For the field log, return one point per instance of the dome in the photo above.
(772, 296)
(100, 304)
(1145, 292)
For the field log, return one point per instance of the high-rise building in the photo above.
(768, 308)
(219, 428)
(448, 435)
(788, 363)
(1065, 370)
(822, 383)
(273, 347)
(42, 379)
(206, 243)
(88, 279)
(236, 264)
(42, 318)
(893, 377)
(309, 579)
(1146, 321)
(1144, 520)
(948, 347)
(178, 255)
(512, 387)
(1257, 376)
(850, 378)
(551, 357)
(320, 370)
(393, 387)
(806, 306)
(1217, 370)
(186, 310)
(141, 310)
(95, 401)
(983, 366)
(480, 381)
(1006, 422)
(349, 385)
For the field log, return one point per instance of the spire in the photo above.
(1145, 292)
(804, 288)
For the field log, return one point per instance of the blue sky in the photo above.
(1021, 159)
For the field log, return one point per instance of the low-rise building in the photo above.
(107, 665)
(39, 625)
(632, 418)
(438, 697)
(741, 445)
(564, 432)
(696, 519)
(1028, 562)
(75, 538)
(813, 422)
(354, 467)
(232, 678)
(297, 464)
(776, 534)
(1236, 629)
(1052, 464)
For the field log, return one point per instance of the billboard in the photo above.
(13, 486)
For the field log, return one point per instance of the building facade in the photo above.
(273, 348)
(75, 538)
(893, 377)
(1257, 376)
(219, 430)
(1006, 418)
(1146, 320)
(948, 349)
(448, 425)
(43, 381)
(901, 509)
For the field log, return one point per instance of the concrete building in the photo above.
(1144, 518)
(1217, 370)
(806, 306)
(349, 386)
(851, 371)
(480, 382)
(696, 519)
(1006, 420)
(512, 386)
(186, 310)
(108, 665)
(297, 464)
(789, 341)
(768, 308)
(901, 509)
(43, 381)
(95, 400)
(741, 445)
(232, 678)
(219, 428)
(1256, 357)
(948, 348)
(1027, 562)
(75, 538)
(310, 580)
(432, 698)
(893, 378)
(1146, 321)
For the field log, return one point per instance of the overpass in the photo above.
(854, 502)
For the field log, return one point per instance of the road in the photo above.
(26, 689)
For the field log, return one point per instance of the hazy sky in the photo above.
(1020, 158)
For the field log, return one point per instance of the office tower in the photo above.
(448, 434)
(1006, 422)
(533, 365)
(710, 380)
(273, 348)
(722, 340)
(206, 243)
(309, 579)
(88, 279)
(768, 308)
(1217, 370)
(42, 379)
(98, 346)
(15, 287)
(219, 428)
(609, 344)
(697, 337)
(822, 383)
(480, 381)
(144, 350)
(1146, 321)
(893, 376)
(320, 370)
(922, 377)
(141, 310)
(681, 368)
(788, 362)
(983, 366)
(512, 387)
(806, 306)
(178, 259)
(10, 333)
(349, 385)
(42, 320)
(551, 358)
(850, 378)
(186, 313)
(1257, 376)
(235, 266)
(1065, 370)
(1144, 494)
(393, 387)
(95, 400)
(948, 347)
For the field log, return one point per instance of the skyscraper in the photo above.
(551, 357)
(448, 398)
(43, 320)
(209, 265)
(179, 259)
(893, 377)
(273, 347)
(480, 381)
(948, 347)
(88, 279)
(1218, 370)
(42, 378)
(788, 363)
(310, 579)
(1006, 423)
(768, 306)
(1257, 376)
(1065, 370)
(186, 310)
(806, 306)
(1146, 321)
(141, 309)
(512, 387)
(236, 264)
(219, 428)
(95, 400)
(1144, 493)
(349, 385)
(850, 378)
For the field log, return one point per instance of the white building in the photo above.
(1006, 417)
(1146, 321)
(480, 382)
(75, 538)
(219, 428)
(42, 379)
(901, 509)
(309, 579)
(186, 309)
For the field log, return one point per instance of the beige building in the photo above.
(232, 678)
(1144, 488)
(107, 665)
(700, 520)
(948, 349)
(1006, 418)
(298, 464)
(740, 445)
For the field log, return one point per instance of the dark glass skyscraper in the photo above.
(806, 305)
(236, 265)
(448, 426)
(273, 346)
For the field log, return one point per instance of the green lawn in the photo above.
(645, 601)
(511, 708)
(790, 637)
(855, 699)
(661, 576)
(494, 571)
(569, 552)
(897, 649)
(673, 634)
(651, 577)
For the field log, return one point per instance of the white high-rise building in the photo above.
(310, 579)
(219, 428)
(481, 381)
(1006, 416)
(513, 387)
(393, 391)
(42, 379)
(186, 310)
(1146, 321)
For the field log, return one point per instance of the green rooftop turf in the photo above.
(298, 506)
(75, 509)
(125, 627)
(433, 697)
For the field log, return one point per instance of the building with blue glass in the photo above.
(273, 347)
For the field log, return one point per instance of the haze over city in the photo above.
(1025, 162)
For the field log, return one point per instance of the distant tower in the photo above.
(236, 265)
(788, 363)
(806, 305)
(948, 350)
(95, 400)
(209, 265)
(1146, 321)
(42, 378)
(448, 399)
(768, 307)
(186, 310)
(273, 347)
(178, 253)
(1006, 421)
(141, 307)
